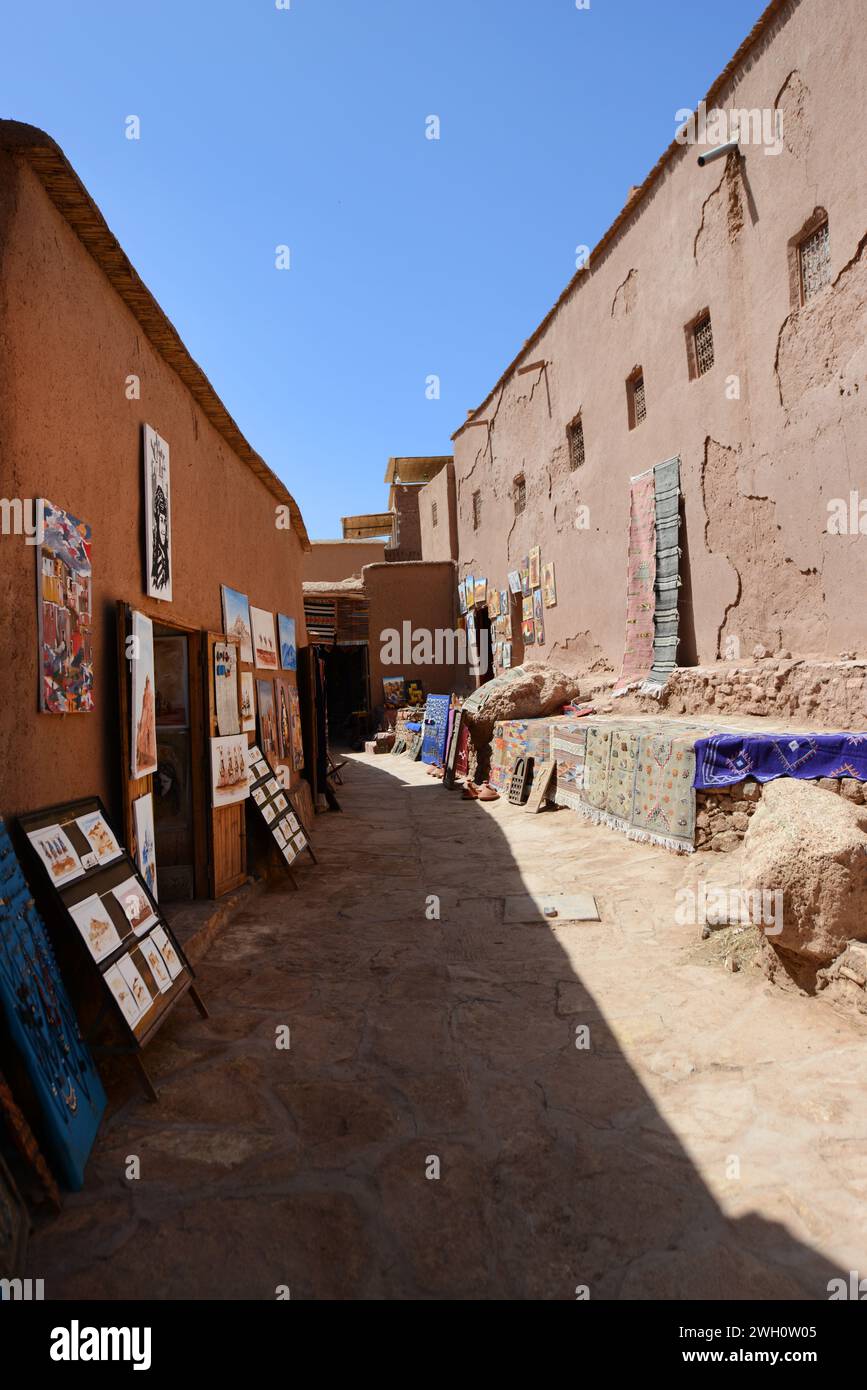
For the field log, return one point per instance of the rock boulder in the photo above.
(813, 849)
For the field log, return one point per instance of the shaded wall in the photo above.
(440, 541)
(759, 466)
(330, 561)
(424, 595)
(68, 433)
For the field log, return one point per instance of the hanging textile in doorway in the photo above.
(436, 723)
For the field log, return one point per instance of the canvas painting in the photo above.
(535, 567)
(281, 707)
(539, 615)
(136, 908)
(525, 579)
(295, 726)
(527, 607)
(158, 516)
(145, 853)
(481, 592)
(142, 707)
(470, 589)
(493, 602)
(415, 693)
(394, 691)
(139, 990)
(230, 779)
(264, 645)
(123, 994)
(172, 693)
(528, 632)
(156, 964)
(462, 596)
(100, 934)
(507, 656)
(267, 718)
(549, 587)
(236, 621)
(226, 687)
(57, 854)
(167, 951)
(99, 836)
(504, 602)
(248, 703)
(286, 634)
(65, 613)
(515, 581)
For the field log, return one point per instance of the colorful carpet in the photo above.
(724, 759)
(640, 576)
(663, 808)
(568, 745)
(666, 479)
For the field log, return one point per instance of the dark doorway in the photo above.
(346, 686)
(174, 829)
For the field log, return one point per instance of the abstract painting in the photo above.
(264, 646)
(549, 587)
(226, 687)
(143, 708)
(65, 611)
(230, 780)
(236, 621)
(100, 934)
(267, 718)
(158, 516)
(145, 840)
(248, 703)
(286, 634)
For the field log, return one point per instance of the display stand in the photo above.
(452, 751)
(121, 936)
(274, 804)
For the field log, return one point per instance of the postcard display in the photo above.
(105, 905)
(43, 1027)
(273, 803)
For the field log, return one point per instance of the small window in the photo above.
(814, 259)
(575, 433)
(433, 513)
(699, 345)
(520, 493)
(477, 510)
(635, 399)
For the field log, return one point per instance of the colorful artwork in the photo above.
(230, 779)
(535, 566)
(295, 725)
(528, 632)
(514, 581)
(394, 691)
(436, 723)
(527, 607)
(462, 596)
(248, 703)
(504, 602)
(481, 592)
(226, 687)
(42, 1028)
(539, 615)
(264, 646)
(414, 693)
(158, 516)
(135, 905)
(99, 836)
(267, 718)
(525, 579)
(286, 634)
(470, 590)
(142, 707)
(100, 934)
(493, 599)
(549, 588)
(172, 685)
(57, 854)
(145, 840)
(65, 612)
(236, 621)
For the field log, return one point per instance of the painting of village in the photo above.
(65, 614)
(236, 620)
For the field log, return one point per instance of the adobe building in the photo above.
(89, 359)
(720, 320)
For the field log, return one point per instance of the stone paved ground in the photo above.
(609, 1167)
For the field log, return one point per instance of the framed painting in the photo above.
(539, 616)
(226, 687)
(236, 621)
(65, 613)
(295, 727)
(549, 587)
(286, 636)
(158, 517)
(267, 718)
(535, 566)
(142, 705)
(394, 691)
(264, 645)
(230, 781)
(481, 592)
(248, 703)
(145, 840)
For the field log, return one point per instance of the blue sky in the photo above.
(306, 127)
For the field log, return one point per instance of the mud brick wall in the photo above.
(723, 815)
(822, 694)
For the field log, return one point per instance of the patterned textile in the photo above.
(568, 744)
(666, 478)
(596, 761)
(664, 799)
(640, 576)
(436, 723)
(724, 759)
(521, 738)
(621, 772)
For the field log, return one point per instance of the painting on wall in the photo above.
(528, 632)
(295, 725)
(286, 634)
(264, 646)
(527, 607)
(525, 578)
(415, 693)
(142, 706)
(158, 516)
(535, 566)
(549, 587)
(462, 596)
(481, 592)
(539, 615)
(470, 591)
(230, 780)
(236, 621)
(281, 708)
(226, 687)
(394, 691)
(145, 840)
(493, 602)
(65, 612)
(248, 703)
(267, 718)
(515, 581)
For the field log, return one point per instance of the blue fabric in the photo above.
(436, 724)
(43, 1026)
(724, 759)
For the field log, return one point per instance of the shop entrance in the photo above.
(174, 820)
(347, 688)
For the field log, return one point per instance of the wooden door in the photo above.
(131, 787)
(227, 825)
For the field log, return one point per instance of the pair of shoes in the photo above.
(488, 793)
